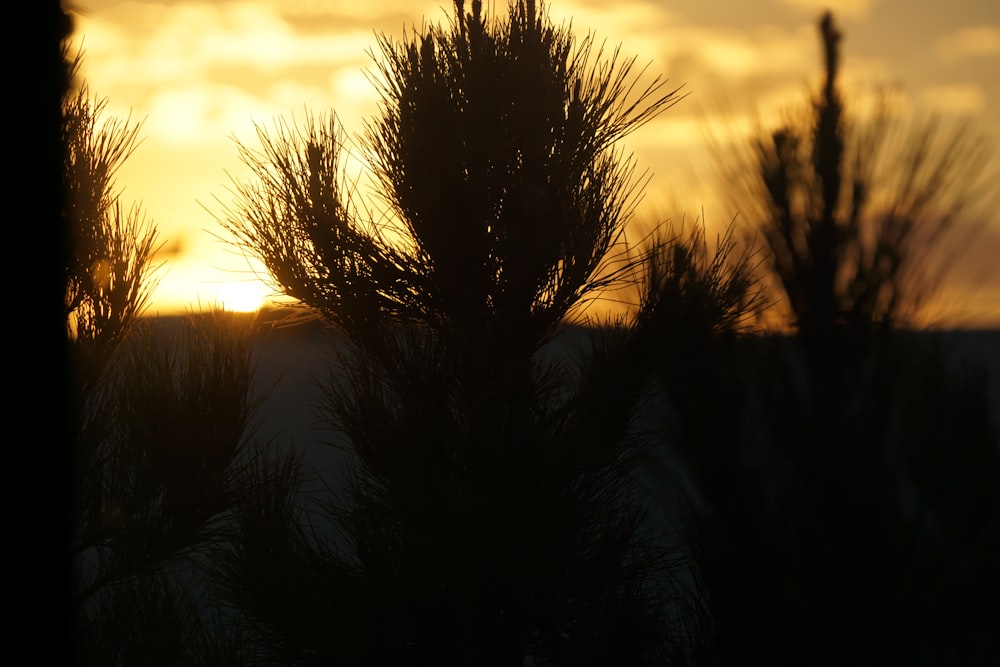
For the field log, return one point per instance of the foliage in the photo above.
(692, 290)
(856, 214)
(109, 274)
(160, 465)
(832, 530)
(467, 180)
(490, 512)
(160, 427)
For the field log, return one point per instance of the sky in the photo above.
(199, 74)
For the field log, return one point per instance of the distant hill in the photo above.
(296, 351)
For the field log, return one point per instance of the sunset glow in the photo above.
(199, 73)
(241, 296)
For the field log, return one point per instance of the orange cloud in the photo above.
(849, 8)
(982, 40)
(957, 98)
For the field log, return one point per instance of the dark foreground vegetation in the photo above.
(834, 493)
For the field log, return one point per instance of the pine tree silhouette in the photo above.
(816, 548)
(160, 425)
(490, 515)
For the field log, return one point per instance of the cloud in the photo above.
(199, 71)
(757, 51)
(982, 40)
(849, 8)
(167, 43)
(203, 113)
(955, 98)
(638, 26)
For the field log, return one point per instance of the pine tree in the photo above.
(160, 425)
(855, 428)
(490, 513)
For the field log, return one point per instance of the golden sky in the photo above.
(200, 72)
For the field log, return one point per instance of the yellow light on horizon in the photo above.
(242, 296)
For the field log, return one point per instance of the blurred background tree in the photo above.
(855, 436)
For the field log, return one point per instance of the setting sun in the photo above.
(244, 296)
